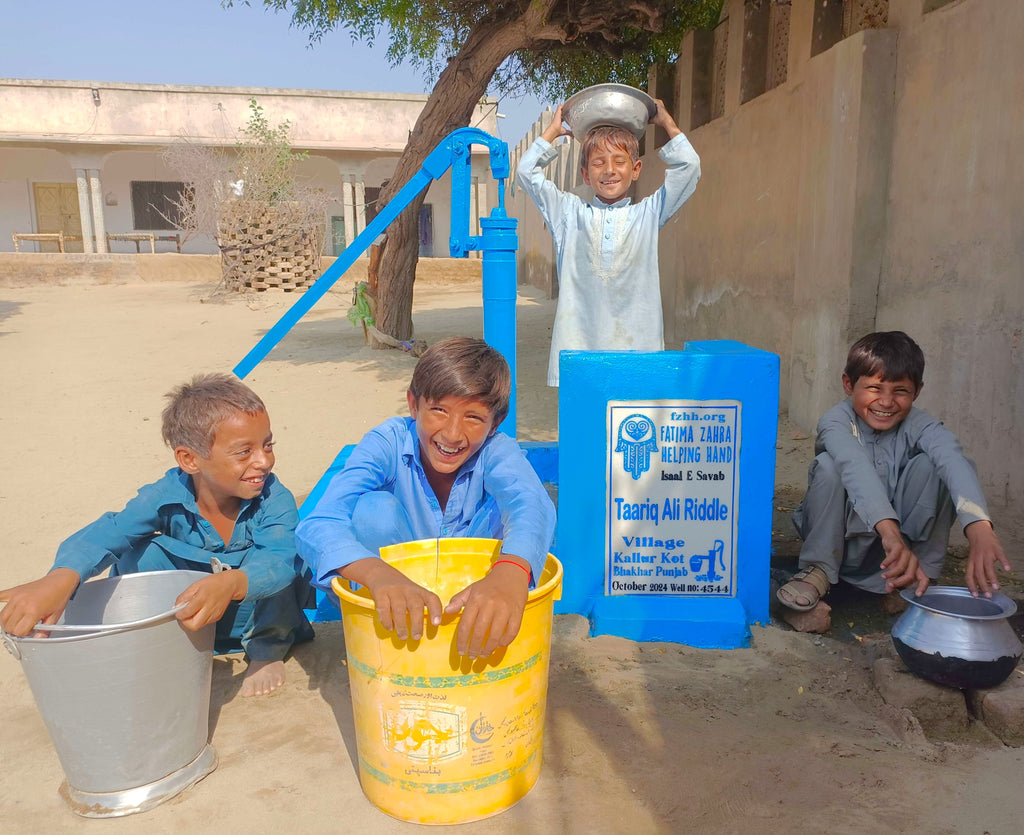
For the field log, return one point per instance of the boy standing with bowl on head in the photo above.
(443, 472)
(885, 485)
(219, 508)
(609, 291)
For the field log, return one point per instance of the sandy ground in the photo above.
(788, 735)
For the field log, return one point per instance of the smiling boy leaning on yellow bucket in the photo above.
(443, 472)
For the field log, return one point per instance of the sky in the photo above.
(198, 42)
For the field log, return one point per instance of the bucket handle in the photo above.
(104, 627)
(11, 642)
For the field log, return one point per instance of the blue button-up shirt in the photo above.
(165, 512)
(388, 459)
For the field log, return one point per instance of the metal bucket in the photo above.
(124, 690)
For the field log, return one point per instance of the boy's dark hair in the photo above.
(891, 354)
(609, 134)
(196, 409)
(464, 367)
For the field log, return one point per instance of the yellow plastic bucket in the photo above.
(441, 738)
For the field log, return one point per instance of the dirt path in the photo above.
(788, 735)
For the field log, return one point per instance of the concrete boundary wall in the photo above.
(874, 189)
(953, 270)
(27, 269)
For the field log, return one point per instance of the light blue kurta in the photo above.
(609, 291)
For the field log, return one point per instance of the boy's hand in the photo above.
(492, 608)
(400, 602)
(900, 567)
(984, 553)
(208, 598)
(556, 128)
(664, 120)
(41, 600)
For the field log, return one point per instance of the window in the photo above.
(371, 193)
(338, 240)
(157, 204)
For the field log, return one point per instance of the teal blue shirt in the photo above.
(165, 513)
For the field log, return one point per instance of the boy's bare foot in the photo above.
(262, 677)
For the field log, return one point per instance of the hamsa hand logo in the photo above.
(636, 443)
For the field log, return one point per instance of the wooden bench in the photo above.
(176, 238)
(47, 237)
(141, 237)
(136, 237)
(60, 239)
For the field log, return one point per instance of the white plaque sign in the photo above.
(673, 482)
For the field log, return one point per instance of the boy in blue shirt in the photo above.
(443, 472)
(220, 508)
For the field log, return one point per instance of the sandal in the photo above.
(809, 584)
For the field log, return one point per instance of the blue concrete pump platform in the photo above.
(704, 372)
(712, 372)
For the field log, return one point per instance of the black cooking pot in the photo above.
(953, 638)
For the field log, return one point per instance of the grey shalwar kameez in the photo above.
(916, 474)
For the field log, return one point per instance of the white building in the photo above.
(85, 159)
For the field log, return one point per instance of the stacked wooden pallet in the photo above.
(265, 248)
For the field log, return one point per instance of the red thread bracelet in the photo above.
(517, 565)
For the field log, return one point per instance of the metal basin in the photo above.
(952, 638)
(618, 105)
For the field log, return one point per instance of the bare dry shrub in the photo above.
(269, 226)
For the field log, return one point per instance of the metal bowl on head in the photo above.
(953, 638)
(618, 105)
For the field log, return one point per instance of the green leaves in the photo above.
(265, 158)
(580, 42)
(360, 312)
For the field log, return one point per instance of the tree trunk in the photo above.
(396, 273)
(450, 106)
